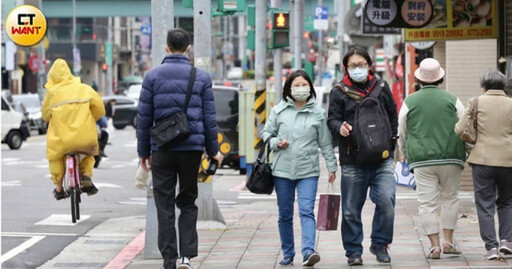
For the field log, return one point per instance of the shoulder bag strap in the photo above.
(190, 86)
(475, 121)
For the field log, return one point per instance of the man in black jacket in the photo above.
(358, 83)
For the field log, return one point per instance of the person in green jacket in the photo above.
(297, 127)
(434, 152)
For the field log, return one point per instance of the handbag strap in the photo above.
(190, 86)
(266, 145)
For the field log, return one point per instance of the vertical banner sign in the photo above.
(454, 19)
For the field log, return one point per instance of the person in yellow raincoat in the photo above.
(71, 108)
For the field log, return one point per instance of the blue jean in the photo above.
(306, 195)
(355, 180)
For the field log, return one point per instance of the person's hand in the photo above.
(283, 144)
(144, 165)
(345, 129)
(219, 158)
(332, 177)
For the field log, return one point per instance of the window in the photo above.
(5, 107)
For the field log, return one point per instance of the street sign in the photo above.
(369, 28)
(108, 53)
(381, 12)
(145, 29)
(77, 64)
(423, 45)
(321, 18)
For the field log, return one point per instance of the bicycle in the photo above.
(72, 184)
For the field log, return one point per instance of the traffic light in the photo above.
(280, 36)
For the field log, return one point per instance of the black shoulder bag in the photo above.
(174, 129)
(261, 180)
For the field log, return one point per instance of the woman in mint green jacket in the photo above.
(297, 127)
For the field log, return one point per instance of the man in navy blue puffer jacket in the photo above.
(163, 94)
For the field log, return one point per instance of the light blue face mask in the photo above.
(358, 74)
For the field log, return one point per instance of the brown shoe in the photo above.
(87, 186)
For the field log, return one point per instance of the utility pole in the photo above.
(162, 20)
(320, 58)
(260, 73)
(73, 35)
(206, 204)
(299, 4)
(110, 90)
(278, 64)
(132, 31)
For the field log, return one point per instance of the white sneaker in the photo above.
(505, 247)
(184, 263)
(492, 254)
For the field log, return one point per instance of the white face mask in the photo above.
(301, 93)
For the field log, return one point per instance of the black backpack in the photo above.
(372, 130)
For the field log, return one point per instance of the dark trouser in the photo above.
(103, 140)
(486, 180)
(167, 167)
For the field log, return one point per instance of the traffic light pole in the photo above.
(298, 34)
(206, 204)
(260, 73)
(278, 65)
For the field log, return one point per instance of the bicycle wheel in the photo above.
(77, 192)
(73, 204)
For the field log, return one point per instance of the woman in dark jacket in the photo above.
(358, 83)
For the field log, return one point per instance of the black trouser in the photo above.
(487, 181)
(167, 167)
(103, 140)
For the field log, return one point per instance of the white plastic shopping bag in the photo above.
(403, 176)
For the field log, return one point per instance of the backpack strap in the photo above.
(379, 87)
(189, 88)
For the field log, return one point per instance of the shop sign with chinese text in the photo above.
(457, 19)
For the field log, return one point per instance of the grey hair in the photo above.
(493, 80)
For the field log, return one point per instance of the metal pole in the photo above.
(203, 35)
(132, 29)
(73, 35)
(162, 20)
(110, 90)
(42, 71)
(278, 64)
(260, 72)
(342, 11)
(320, 58)
(206, 204)
(298, 34)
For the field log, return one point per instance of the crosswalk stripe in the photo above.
(17, 250)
